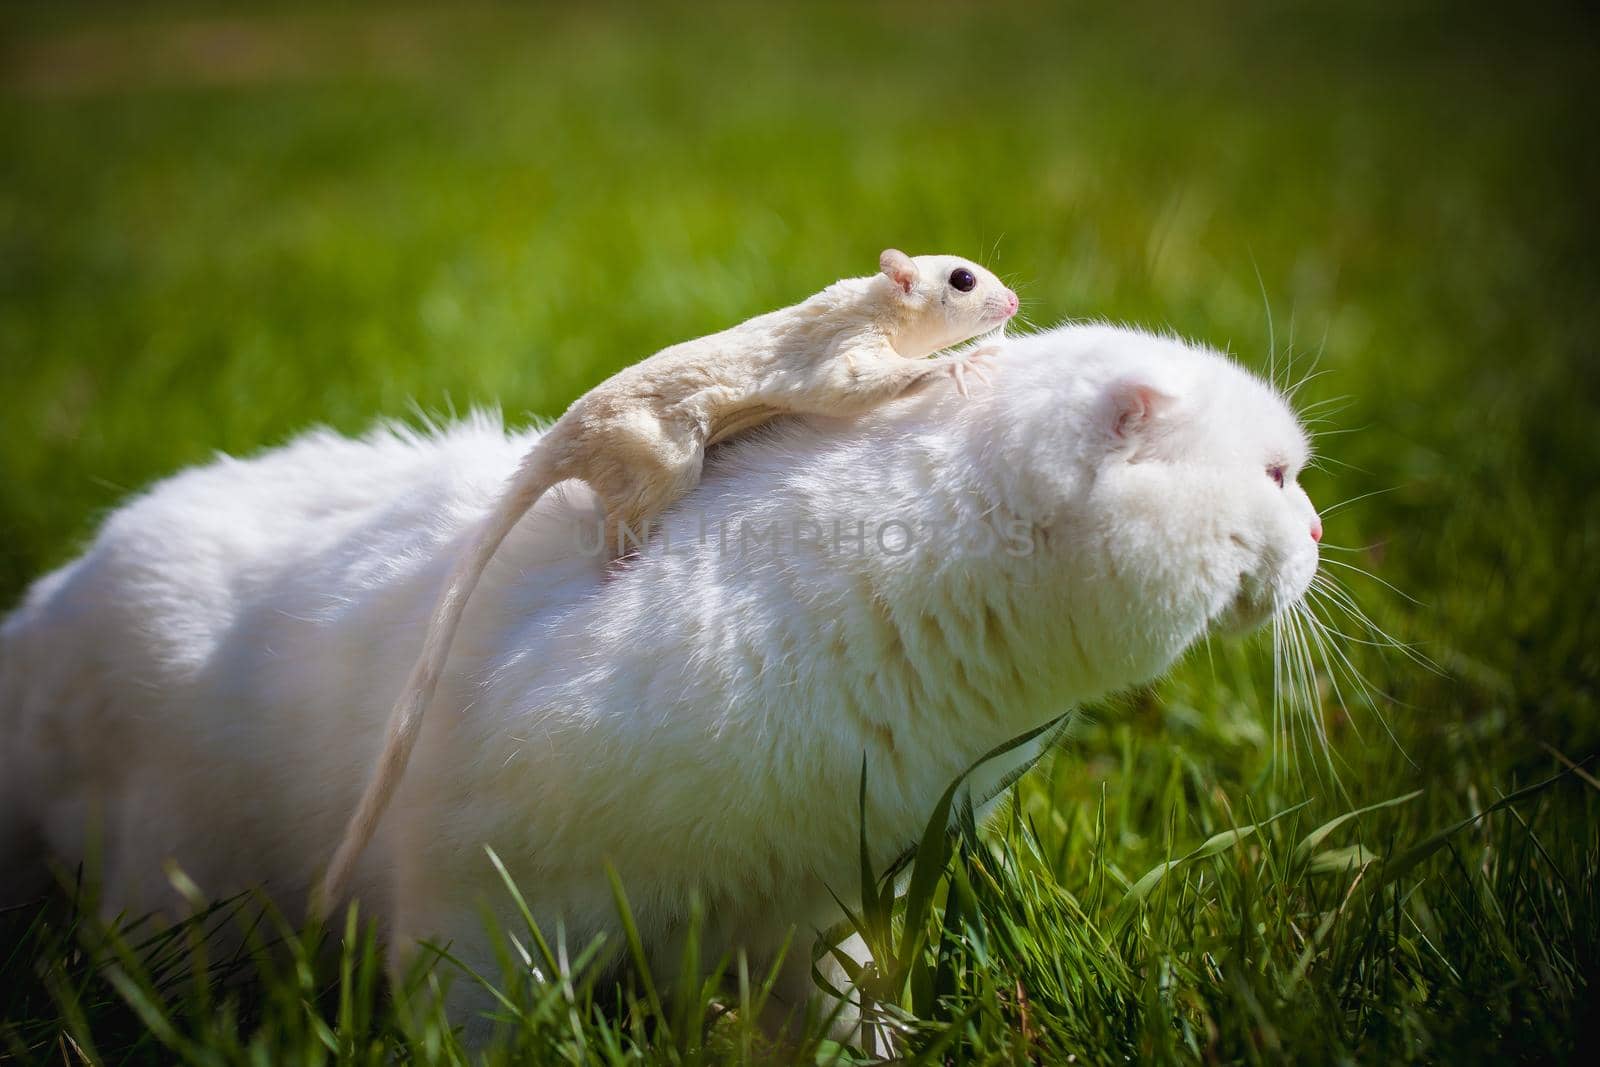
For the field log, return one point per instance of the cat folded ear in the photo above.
(900, 268)
(1132, 406)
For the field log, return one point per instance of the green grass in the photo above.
(217, 231)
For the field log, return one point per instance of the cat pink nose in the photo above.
(1316, 531)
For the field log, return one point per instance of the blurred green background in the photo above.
(219, 229)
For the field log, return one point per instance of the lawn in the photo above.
(217, 230)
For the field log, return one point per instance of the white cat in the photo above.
(209, 681)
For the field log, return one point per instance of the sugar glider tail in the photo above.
(534, 477)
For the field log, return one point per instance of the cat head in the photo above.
(1161, 480)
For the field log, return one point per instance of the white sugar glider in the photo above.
(639, 438)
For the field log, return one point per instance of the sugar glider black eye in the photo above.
(1275, 472)
(962, 280)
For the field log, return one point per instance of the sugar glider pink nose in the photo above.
(1012, 303)
(1316, 530)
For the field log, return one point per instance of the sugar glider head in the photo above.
(943, 300)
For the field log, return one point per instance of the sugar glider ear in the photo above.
(1132, 406)
(901, 268)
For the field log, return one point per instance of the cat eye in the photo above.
(962, 280)
(1275, 472)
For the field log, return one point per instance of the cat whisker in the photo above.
(1363, 428)
(1340, 598)
(1313, 636)
(1272, 339)
(1383, 640)
(1294, 698)
(1290, 695)
(1320, 417)
(1381, 581)
(1367, 691)
(1341, 505)
(1312, 725)
(1285, 692)
(1277, 691)
(1342, 463)
(1303, 382)
(1344, 399)
(1335, 657)
(1311, 371)
(1334, 631)
(1316, 360)
(1328, 546)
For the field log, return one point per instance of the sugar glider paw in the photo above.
(974, 362)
